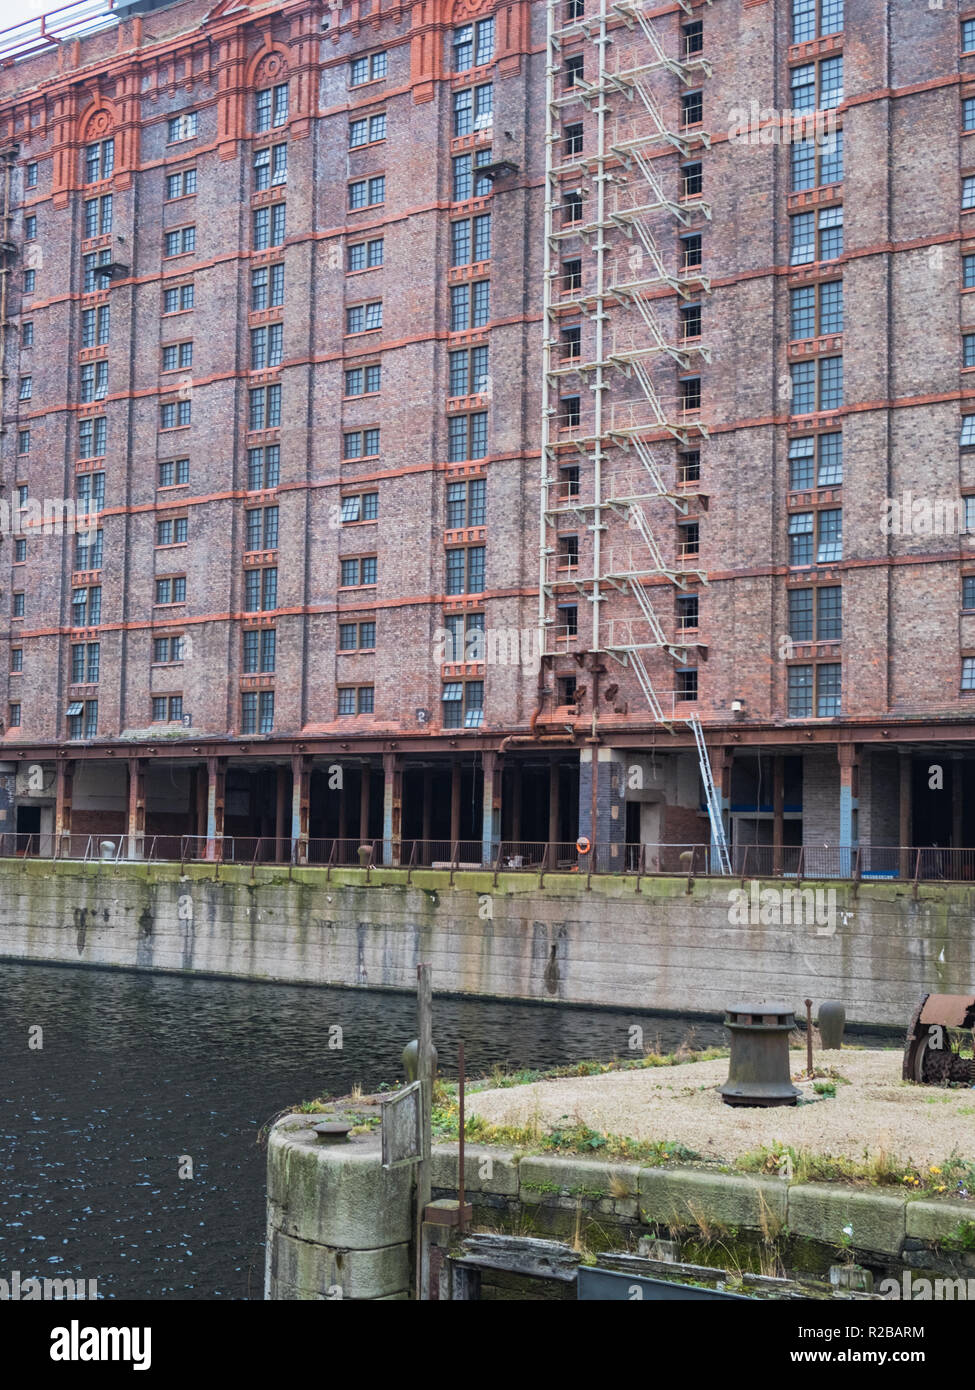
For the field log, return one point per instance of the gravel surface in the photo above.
(876, 1111)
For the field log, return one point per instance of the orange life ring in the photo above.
(582, 845)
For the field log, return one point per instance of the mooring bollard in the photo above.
(758, 1072)
(831, 1021)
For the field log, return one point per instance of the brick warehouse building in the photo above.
(392, 325)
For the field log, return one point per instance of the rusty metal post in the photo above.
(460, 1153)
(809, 1040)
(424, 1074)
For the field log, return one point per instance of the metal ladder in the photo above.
(718, 838)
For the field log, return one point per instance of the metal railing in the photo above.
(862, 863)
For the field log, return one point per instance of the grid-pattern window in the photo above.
(269, 226)
(968, 36)
(91, 263)
(23, 441)
(362, 318)
(466, 503)
(82, 719)
(830, 383)
(179, 241)
(172, 589)
(968, 193)
(830, 226)
(968, 349)
(181, 127)
(96, 326)
(966, 439)
(468, 371)
(86, 606)
(260, 589)
(817, 385)
(968, 592)
(968, 663)
(175, 414)
(806, 13)
(363, 381)
(831, 307)
(828, 689)
(829, 613)
(365, 255)
(30, 175)
(470, 240)
(473, 109)
(172, 531)
(360, 506)
(801, 615)
(89, 550)
(359, 637)
(167, 650)
(267, 346)
(85, 663)
(803, 378)
(259, 650)
(366, 193)
(257, 712)
(358, 571)
(270, 107)
(465, 570)
(30, 280)
(174, 472)
(800, 692)
(92, 437)
(354, 699)
(181, 184)
(466, 634)
(465, 180)
(270, 167)
(176, 355)
(261, 527)
(816, 461)
(267, 287)
(467, 436)
(263, 467)
(692, 180)
(463, 704)
(473, 45)
(90, 488)
(176, 300)
(26, 388)
(264, 407)
(692, 108)
(801, 531)
(366, 130)
(99, 160)
(829, 543)
(470, 305)
(367, 69)
(166, 708)
(359, 444)
(98, 216)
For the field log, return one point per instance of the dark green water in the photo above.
(138, 1071)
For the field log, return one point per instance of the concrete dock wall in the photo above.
(663, 948)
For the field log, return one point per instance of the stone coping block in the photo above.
(672, 1195)
(303, 1270)
(486, 1169)
(544, 1177)
(337, 1195)
(821, 1210)
(934, 1220)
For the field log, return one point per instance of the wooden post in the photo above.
(216, 795)
(300, 804)
(424, 1074)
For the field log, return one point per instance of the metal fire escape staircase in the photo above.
(623, 273)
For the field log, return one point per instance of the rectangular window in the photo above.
(264, 408)
(802, 238)
(362, 318)
(180, 184)
(267, 287)
(468, 371)
(26, 388)
(30, 281)
(174, 472)
(270, 108)
(30, 175)
(830, 455)
(801, 615)
(362, 381)
(830, 536)
(968, 272)
(467, 437)
(831, 307)
(99, 160)
(263, 467)
(463, 704)
(830, 233)
(968, 36)
(692, 108)
(466, 182)
(367, 69)
(828, 690)
(88, 551)
(802, 312)
(968, 349)
(829, 613)
(27, 334)
(365, 255)
(23, 441)
(830, 383)
(365, 193)
(18, 605)
(801, 527)
(171, 589)
(92, 437)
(360, 507)
(175, 414)
(91, 492)
(692, 254)
(466, 503)
(968, 592)
(800, 692)
(803, 378)
(181, 127)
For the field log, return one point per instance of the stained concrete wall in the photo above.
(661, 948)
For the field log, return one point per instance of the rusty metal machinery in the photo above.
(929, 1057)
